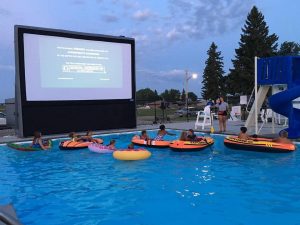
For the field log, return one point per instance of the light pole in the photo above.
(187, 77)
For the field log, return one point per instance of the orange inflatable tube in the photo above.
(75, 145)
(150, 143)
(191, 146)
(258, 145)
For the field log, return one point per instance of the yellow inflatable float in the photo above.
(138, 154)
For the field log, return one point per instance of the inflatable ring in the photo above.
(258, 145)
(150, 143)
(138, 154)
(76, 145)
(191, 146)
(27, 148)
(99, 148)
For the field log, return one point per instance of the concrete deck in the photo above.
(232, 128)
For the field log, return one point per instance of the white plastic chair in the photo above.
(265, 115)
(235, 113)
(203, 118)
(278, 119)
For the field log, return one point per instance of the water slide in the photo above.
(282, 103)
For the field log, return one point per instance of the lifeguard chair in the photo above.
(203, 118)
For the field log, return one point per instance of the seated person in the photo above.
(88, 137)
(144, 135)
(191, 136)
(283, 138)
(183, 136)
(161, 133)
(73, 136)
(243, 134)
(38, 142)
(112, 144)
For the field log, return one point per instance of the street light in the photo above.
(187, 78)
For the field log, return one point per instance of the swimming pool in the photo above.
(214, 186)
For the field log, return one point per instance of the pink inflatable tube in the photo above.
(98, 148)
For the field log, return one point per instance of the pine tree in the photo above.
(289, 48)
(213, 74)
(255, 41)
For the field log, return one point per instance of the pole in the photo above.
(186, 96)
(273, 114)
(155, 122)
(255, 100)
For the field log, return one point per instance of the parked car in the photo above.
(2, 119)
(183, 112)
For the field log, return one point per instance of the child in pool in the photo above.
(73, 136)
(161, 133)
(112, 145)
(283, 138)
(88, 138)
(183, 136)
(144, 135)
(191, 136)
(38, 142)
(243, 134)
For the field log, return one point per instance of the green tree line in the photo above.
(171, 95)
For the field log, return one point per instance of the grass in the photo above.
(1, 108)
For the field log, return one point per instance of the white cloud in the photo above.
(142, 15)
(163, 75)
(173, 34)
(198, 19)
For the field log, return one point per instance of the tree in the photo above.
(156, 95)
(255, 41)
(213, 74)
(289, 48)
(192, 96)
(146, 95)
(171, 95)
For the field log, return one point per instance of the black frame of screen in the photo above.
(53, 117)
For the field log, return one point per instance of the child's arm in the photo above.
(42, 145)
(239, 136)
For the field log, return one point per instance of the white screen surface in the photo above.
(59, 69)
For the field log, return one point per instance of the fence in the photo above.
(148, 112)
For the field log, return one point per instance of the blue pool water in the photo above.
(214, 186)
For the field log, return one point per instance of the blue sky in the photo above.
(171, 35)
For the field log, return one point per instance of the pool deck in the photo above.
(232, 128)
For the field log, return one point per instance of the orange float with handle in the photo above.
(258, 145)
(76, 145)
(191, 146)
(150, 143)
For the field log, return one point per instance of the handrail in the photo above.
(7, 219)
(250, 100)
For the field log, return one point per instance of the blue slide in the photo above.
(282, 103)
